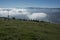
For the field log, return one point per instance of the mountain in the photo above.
(28, 30)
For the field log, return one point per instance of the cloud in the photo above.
(22, 14)
(37, 16)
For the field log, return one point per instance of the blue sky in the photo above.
(30, 3)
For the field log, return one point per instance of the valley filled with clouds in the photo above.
(41, 14)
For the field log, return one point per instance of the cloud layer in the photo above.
(21, 14)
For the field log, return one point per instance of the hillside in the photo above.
(28, 30)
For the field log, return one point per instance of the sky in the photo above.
(30, 3)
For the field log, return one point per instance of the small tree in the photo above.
(13, 18)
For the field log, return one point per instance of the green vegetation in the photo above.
(28, 30)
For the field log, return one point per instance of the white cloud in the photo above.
(37, 16)
(22, 14)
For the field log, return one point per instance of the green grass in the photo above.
(28, 30)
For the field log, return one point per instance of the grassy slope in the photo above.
(25, 30)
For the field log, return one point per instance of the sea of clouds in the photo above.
(22, 14)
